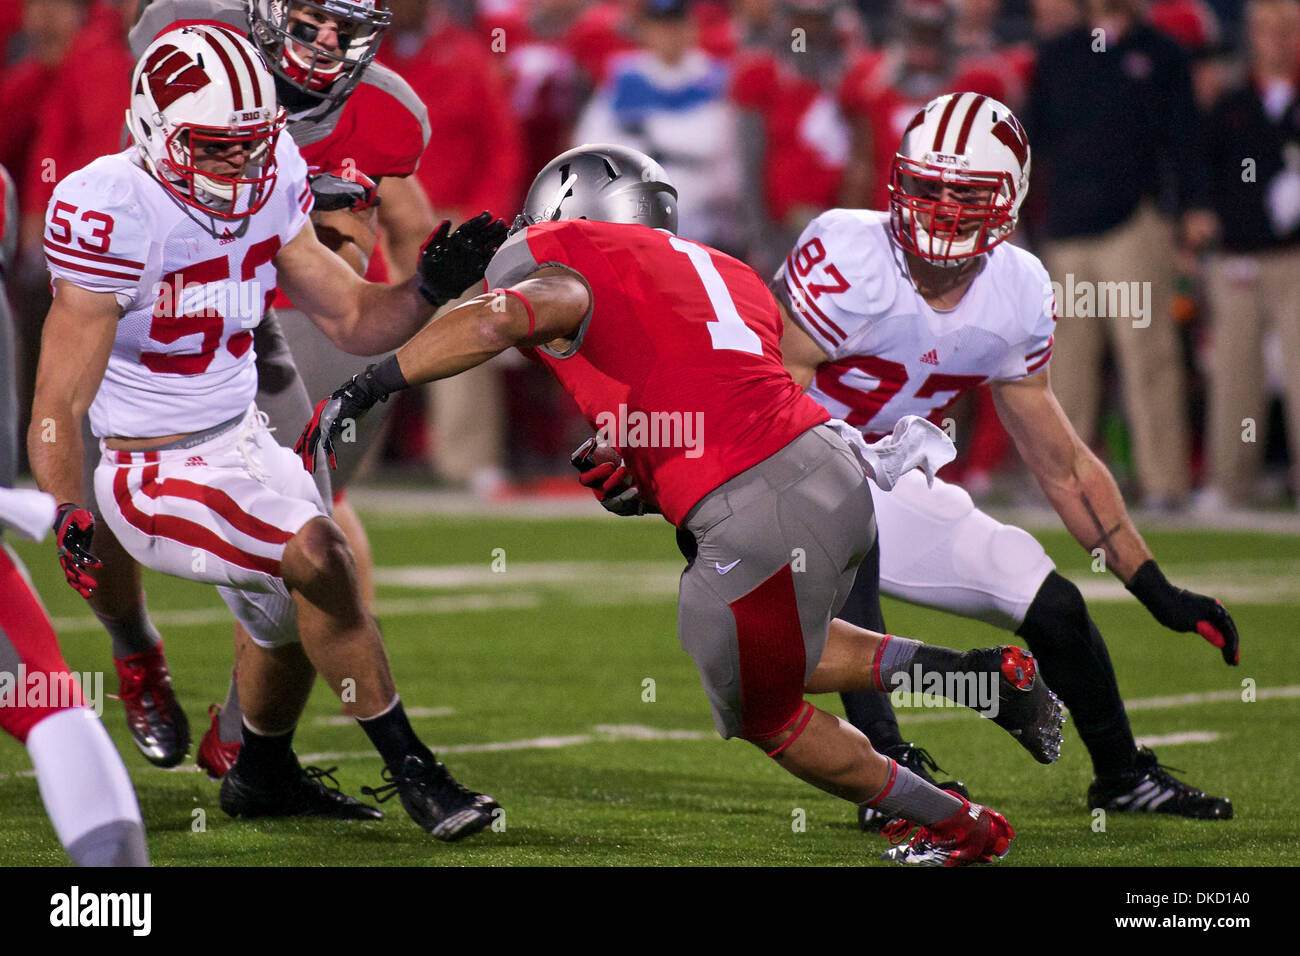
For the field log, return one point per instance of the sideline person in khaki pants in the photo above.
(1115, 128)
(1145, 340)
(1254, 281)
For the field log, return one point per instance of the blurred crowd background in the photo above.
(1166, 149)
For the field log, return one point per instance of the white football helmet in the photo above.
(287, 32)
(958, 179)
(203, 94)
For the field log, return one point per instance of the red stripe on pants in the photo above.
(772, 659)
(185, 532)
(23, 621)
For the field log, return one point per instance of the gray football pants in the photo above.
(778, 548)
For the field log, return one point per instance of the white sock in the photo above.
(82, 779)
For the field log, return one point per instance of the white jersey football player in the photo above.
(362, 130)
(164, 258)
(898, 313)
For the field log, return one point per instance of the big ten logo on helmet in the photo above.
(1085, 299)
(248, 116)
(637, 428)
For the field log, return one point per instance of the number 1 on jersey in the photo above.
(730, 330)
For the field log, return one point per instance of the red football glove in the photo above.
(73, 529)
(602, 470)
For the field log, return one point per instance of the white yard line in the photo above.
(610, 733)
(603, 583)
(1170, 740)
(395, 607)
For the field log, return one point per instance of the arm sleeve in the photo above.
(96, 235)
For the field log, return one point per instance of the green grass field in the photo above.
(530, 682)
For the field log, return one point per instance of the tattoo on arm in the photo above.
(1104, 540)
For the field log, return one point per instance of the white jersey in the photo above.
(891, 353)
(183, 357)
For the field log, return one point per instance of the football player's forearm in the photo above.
(54, 450)
(1093, 511)
(457, 341)
(383, 318)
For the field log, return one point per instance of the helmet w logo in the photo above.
(1011, 134)
(171, 74)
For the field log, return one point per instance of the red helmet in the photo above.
(202, 94)
(958, 178)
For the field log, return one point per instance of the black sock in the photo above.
(393, 737)
(264, 755)
(869, 711)
(1073, 660)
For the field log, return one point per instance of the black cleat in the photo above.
(298, 792)
(1151, 789)
(435, 800)
(918, 760)
(1026, 708)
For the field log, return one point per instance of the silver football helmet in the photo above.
(604, 182)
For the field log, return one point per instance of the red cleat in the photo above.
(156, 721)
(974, 834)
(215, 755)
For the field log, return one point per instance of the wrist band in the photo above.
(532, 319)
(388, 376)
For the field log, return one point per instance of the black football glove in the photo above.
(609, 481)
(1185, 611)
(73, 528)
(451, 262)
(346, 404)
(355, 191)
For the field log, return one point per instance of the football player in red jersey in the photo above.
(671, 349)
(362, 130)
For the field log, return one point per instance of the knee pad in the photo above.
(1057, 607)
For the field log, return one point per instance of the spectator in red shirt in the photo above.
(48, 30)
(789, 89)
(474, 161)
(546, 87)
(81, 117)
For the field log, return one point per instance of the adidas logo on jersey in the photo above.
(226, 237)
(194, 460)
(931, 357)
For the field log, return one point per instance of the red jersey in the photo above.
(678, 362)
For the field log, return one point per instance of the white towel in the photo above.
(915, 443)
(30, 513)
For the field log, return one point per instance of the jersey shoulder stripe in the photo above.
(97, 228)
(838, 276)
